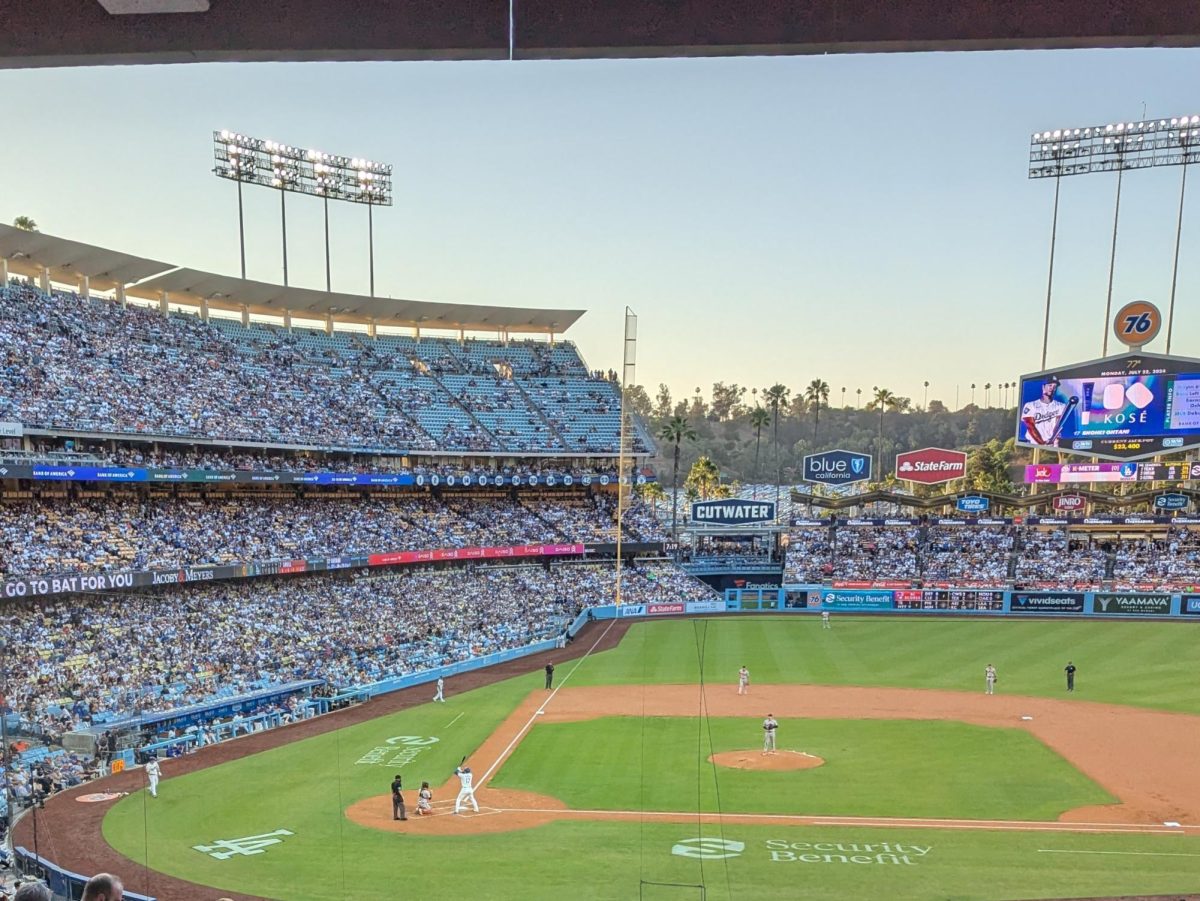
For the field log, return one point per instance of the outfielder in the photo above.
(1042, 416)
(466, 791)
(989, 678)
(743, 681)
(825, 620)
(769, 727)
(441, 683)
(152, 773)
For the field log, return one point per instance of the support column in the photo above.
(417, 332)
(3, 271)
(162, 303)
(372, 328)
(85, 286)
(204, 309)
(287, 319)
(245, 316)
(462, 336)
(329, 323)
(121, 298)
(44, 279)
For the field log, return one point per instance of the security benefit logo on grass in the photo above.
(396, 751)
(225, 848)
(708, 848)
(861, 853)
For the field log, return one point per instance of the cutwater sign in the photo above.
(732, 512)
(1171, 502)
(974, 504)
(837, 467)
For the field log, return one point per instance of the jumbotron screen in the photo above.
(1120, 408)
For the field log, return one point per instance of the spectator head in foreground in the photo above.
(33, 891)
(103, 887)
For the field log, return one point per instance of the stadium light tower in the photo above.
(1115, 147)
(302, 171)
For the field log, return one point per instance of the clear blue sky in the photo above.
(758, 214)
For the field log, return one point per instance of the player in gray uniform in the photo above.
(989, 679)
(769, 727)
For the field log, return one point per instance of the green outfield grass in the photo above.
(304, 787)
(887, 768)
(1143, 664)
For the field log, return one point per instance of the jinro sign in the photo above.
(931, 465)
(837, 467)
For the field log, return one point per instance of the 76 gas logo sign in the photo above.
(1137, 323)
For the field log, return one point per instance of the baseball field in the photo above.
(641, 775)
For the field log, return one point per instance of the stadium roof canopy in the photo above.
(95, 32)
(28, 252)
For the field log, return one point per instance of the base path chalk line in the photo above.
(542, 707)
(886, 822)
(1130, 853)
(453, 721)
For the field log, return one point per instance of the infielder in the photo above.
(769, 727)
(441, 683)
(425, 801)
(466, 791)
(989, 678)
(152, 773)
(1042, 416)
(743, 681)
(825, 620)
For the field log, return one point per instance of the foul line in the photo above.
(453, 721)
(1134, 853)
(521, 733)
(881, 822)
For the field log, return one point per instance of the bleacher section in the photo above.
(70, 363)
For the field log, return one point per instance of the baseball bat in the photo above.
(1062, 420)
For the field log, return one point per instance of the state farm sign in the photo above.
(931, 465)
(1067, 502)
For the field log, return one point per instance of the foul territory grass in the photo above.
(891, 768)
(1143, 664)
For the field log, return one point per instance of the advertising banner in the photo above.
(705, 606)
(732, 512)
(950, 599)
(631, 610)
(931, 466)
(1089, 473)
(1047, 602)
(973, 504)
(837, 467)
(1189, 604)
(660, 609)
(1066, 503)
(856, 599)
(474, 553)
(11, 429)
(1172, 502)
(1124, 407)
(1143, 604)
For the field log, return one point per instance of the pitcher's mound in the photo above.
(757, 760)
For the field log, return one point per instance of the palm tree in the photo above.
(654, 493)
(884, 400)
(926, 403)
(676, 430)
(777, 396)
(758, 418)
(25, 224)
(815, 394)
(972, 394)
(987, 389)
(704, 477)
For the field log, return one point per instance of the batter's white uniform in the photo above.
(769, 727)
(1045, 416)
(152, 773)
(743, 680)
(989, 677)
(440, 683)
(466, 792)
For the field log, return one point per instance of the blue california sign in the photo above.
(837, 467)
(732, 512)
(974, 504)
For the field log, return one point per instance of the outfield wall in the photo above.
(995, 602)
